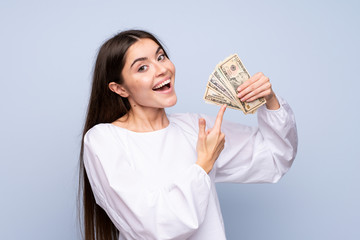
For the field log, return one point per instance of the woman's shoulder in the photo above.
(190, 119)
(185, 118)
(100, 133)
(97, 129)
(187, 121)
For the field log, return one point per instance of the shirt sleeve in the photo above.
(172, 211)
(258, 154)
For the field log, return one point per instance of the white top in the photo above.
(151, 188)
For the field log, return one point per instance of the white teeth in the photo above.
(162, 84)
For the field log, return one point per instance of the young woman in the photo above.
(149, 175)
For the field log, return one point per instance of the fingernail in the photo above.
(239, 95)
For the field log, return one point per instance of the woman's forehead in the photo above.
(144, 47)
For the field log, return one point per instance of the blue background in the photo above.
(309, 49)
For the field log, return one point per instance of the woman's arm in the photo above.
(262, 154)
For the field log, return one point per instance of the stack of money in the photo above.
(223, 83)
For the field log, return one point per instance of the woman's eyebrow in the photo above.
(158, 50)
(138, 59)
(145, 58)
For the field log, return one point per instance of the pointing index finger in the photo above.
(219, 117)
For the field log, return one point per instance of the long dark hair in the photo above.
(105, 106)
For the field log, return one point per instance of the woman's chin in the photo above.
(171, 102)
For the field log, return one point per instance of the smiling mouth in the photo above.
(162, 86)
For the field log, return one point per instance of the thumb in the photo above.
(202, 125)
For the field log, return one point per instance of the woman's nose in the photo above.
(160, 69)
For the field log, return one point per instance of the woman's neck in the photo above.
(143, 119)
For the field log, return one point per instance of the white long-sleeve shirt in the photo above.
(151, 188)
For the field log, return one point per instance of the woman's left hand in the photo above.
(256, 87)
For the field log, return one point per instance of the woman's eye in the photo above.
(142, 68)
(161, 57)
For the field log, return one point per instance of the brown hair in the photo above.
(104, 106)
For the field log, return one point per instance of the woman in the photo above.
(149, 175)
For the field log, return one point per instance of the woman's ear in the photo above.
(119, 89)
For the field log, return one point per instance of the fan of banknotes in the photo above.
(223, 83)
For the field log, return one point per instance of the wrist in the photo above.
(206, 168)
(272, 102)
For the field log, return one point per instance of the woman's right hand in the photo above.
(210, 142)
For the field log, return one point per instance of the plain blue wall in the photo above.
(309, 49)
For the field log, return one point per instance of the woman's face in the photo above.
(149, 75)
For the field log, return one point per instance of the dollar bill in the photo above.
(219, 76)
(213, 96)
(215, 84)
(236, 74)
(221, 80)
(213, 88)
(223, 83)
